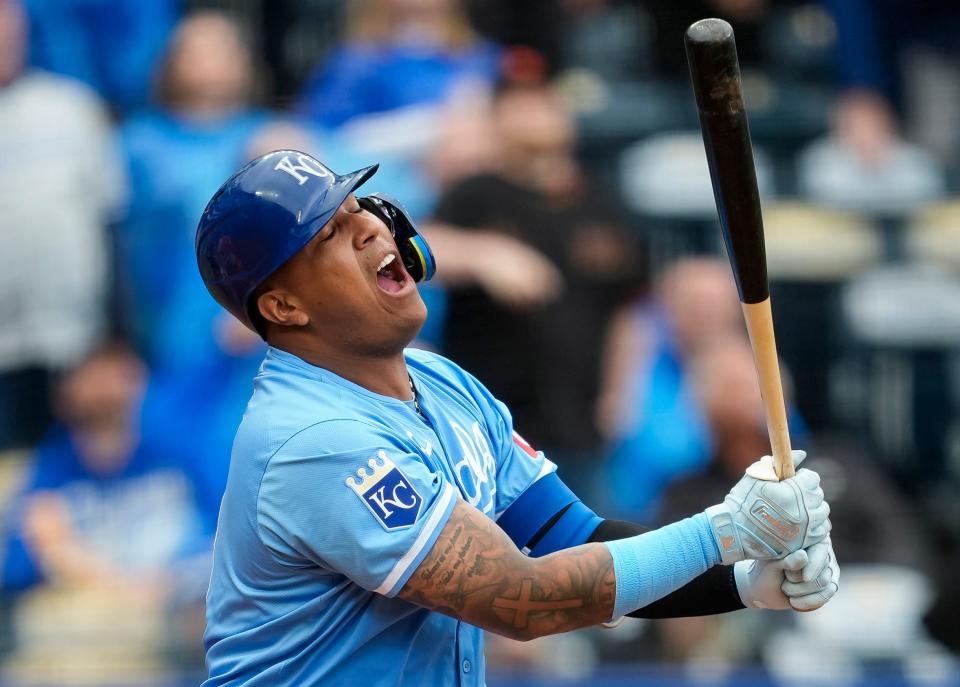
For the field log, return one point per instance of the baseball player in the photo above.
(381, 511)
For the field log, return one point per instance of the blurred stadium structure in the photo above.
(121, 382)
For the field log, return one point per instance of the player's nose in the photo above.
(366, 230)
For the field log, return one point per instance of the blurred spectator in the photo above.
(651, 415)
(111, 45)
(898, 56)
(399, 55)
(893, 181)
(466, 146)
(115, 505)
(59, 182)
(112, 498)
(178, 154)
(537, 261)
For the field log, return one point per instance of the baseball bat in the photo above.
(715, 74)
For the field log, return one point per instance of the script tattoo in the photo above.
(475, 573)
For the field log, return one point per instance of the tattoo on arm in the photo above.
(475, 573)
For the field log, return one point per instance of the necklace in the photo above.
(416, 403)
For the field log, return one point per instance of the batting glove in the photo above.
(759, 582)
(817, 582)
(761, 519)
(803, 580)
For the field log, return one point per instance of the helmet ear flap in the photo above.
(414, 250)
(375, 207)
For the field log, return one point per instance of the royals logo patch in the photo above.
(387, 493)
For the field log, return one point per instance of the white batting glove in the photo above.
(803, 580)
(759, 582)
(817, 582)
(762, 519)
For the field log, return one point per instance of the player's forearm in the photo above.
(712, 592)
(475, 573)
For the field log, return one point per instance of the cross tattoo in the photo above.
(524, 606)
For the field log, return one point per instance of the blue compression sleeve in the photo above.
(651, 565)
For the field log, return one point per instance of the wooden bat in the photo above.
(715, 73)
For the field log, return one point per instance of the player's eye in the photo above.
(328, 231)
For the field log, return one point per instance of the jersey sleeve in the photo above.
(353, 501)
(519, 464)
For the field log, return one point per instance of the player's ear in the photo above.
(281, 307)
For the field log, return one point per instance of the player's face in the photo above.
(352, 284)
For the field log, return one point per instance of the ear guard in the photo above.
(416, 254)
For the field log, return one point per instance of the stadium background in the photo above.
(595, 300)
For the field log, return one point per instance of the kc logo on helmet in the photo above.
(305, 165)
(387, 493)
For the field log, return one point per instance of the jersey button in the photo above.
(467, 666)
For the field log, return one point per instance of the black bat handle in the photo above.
(715, 73)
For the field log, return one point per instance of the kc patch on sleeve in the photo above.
(387, 493)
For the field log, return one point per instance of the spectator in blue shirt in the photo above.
(655, 424)
(177, 152)
(655, 419)
(398, 55)
(113, 499)
(112, 45)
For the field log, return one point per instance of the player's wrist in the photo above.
(741, 577)
(725, 534)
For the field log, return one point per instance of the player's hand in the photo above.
(803, 580)
(817, 582)
(759, 582)
(761, 519)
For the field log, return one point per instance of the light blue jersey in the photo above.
(335, 496)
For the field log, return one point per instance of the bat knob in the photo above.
(710, 31)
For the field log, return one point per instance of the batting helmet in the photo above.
(270, 209)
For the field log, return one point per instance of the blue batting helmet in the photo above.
(270, 209)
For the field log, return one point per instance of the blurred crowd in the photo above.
(550, 151)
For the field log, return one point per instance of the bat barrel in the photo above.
(715, 73)
(712, 56)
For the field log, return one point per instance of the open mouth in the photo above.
(391, 276)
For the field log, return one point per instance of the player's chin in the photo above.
(415, 311)
(405, 311)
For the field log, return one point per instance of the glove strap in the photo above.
(726, 534)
